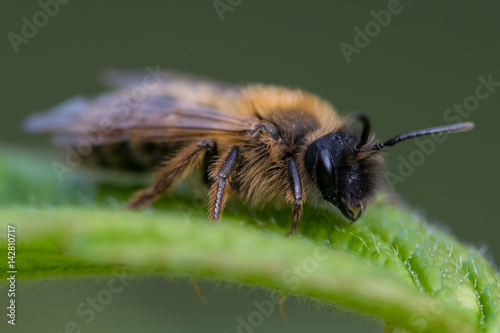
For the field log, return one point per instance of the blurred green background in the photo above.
(423, 62)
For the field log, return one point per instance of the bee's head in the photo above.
(345, 170)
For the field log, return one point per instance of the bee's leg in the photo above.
(297, 194)
(221, 177)
(208, 159)
(174, 170)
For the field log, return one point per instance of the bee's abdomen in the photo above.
(130, 156)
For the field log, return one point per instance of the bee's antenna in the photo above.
(366, 131)
(461, 127)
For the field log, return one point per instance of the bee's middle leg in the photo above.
(221, 176)
(174, 170)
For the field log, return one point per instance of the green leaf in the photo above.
(390, 264)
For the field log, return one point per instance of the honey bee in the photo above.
(263, 142)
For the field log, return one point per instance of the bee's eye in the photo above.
(325, 175)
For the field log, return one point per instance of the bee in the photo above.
(264, 142)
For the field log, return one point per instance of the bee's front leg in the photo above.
(295, 186)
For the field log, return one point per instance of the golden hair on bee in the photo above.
(262, 142)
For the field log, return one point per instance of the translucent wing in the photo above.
(174, 109)
(117, 79)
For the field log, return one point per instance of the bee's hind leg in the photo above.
(173, 171)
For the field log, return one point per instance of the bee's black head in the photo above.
(346, 168)
(345, 171)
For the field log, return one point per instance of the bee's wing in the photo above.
(117, 79)
(110, 119)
